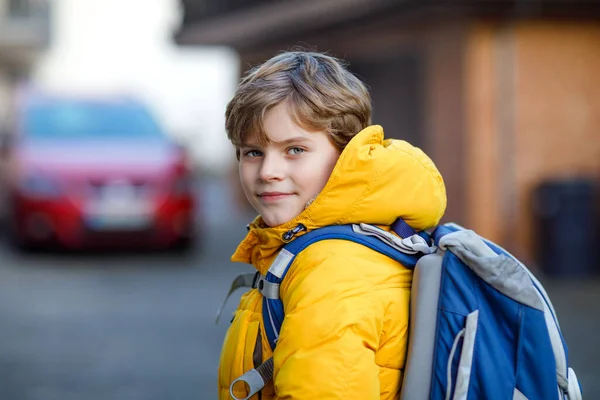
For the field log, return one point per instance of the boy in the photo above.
(307, 159)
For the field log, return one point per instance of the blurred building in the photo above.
(24, 32)
(501, 94)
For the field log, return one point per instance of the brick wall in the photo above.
(532, 113)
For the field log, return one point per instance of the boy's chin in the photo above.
(277, 220)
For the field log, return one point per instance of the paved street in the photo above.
(118, 326)
(141, 326)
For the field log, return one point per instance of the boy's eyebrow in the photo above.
(294, 139)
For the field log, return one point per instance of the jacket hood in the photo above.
(374, 181)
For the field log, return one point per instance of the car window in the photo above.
(88, 120)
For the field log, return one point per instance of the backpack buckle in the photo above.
(270, 290)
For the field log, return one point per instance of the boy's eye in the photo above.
(295, 151)
(252, 153)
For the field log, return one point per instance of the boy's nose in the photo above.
(271, 169)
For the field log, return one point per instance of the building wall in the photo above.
(557, 108)
(532, 113)
(481, 125)
(6, 88)
(444, 122)
(4, 81)
(23, 36)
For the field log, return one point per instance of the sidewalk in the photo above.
(577, 304)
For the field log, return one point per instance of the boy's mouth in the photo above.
(273, 196)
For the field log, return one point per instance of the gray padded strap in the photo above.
(423, 317)
(410, 245)
(269, 290)
(242, 280)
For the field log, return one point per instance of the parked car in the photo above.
(86, 173)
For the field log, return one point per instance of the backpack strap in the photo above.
(403, 229)
(406, 251)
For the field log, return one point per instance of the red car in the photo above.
(86, 173)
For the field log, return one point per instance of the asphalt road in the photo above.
(128, 326)
(140, 326)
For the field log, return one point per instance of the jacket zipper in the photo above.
(289, 235)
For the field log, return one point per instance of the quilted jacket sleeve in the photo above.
(328, 340)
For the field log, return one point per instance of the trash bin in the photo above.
(565, 215)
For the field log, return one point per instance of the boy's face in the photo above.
(283, 176)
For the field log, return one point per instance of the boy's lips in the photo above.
(273, 196)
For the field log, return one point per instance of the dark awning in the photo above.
(241, 25)
(250, 23)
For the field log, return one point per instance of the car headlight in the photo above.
(40, 186)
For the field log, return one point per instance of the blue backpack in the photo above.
(481, 325)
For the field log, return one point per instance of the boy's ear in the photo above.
(237, 153)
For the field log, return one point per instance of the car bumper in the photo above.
(64, 222)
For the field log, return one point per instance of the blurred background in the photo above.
(119, 201)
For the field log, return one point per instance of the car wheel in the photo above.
(17, 242)
(183, 244)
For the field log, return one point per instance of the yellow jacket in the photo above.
(346, 307)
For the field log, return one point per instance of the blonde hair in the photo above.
(322, 95)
